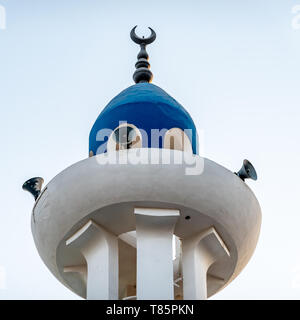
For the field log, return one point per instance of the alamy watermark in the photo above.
(2, 18)
(296, 19)
(128, 144)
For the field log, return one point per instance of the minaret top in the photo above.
(142, 72)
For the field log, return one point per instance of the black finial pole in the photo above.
(142, 72)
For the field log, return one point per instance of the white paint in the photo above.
(104, 193)
(154, 233)
(81, 270)
(199, 252)
(129, 238)
(100, 250)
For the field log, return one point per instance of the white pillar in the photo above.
(100, 250)
(154, 233)
(199, 252)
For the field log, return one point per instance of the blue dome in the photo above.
(147, 107)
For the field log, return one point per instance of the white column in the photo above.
(199, 252)
(100, 250)
(154, 233)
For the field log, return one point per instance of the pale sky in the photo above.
(234, 65)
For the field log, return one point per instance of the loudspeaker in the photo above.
(125, 137)
(34, 186)
(247, 171)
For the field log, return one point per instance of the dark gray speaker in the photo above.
(125, 136)
(34, 186)
(247, 171)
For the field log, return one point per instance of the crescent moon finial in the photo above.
(142, 72)
(135, 38)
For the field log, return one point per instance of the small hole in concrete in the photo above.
(187, 218)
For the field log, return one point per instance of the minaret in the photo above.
(107, 227)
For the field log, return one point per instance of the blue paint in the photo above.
(147, 107)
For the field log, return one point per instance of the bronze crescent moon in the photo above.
(139, 40)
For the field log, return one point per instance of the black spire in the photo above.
(142, 72)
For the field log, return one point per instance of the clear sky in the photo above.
(234, 65)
